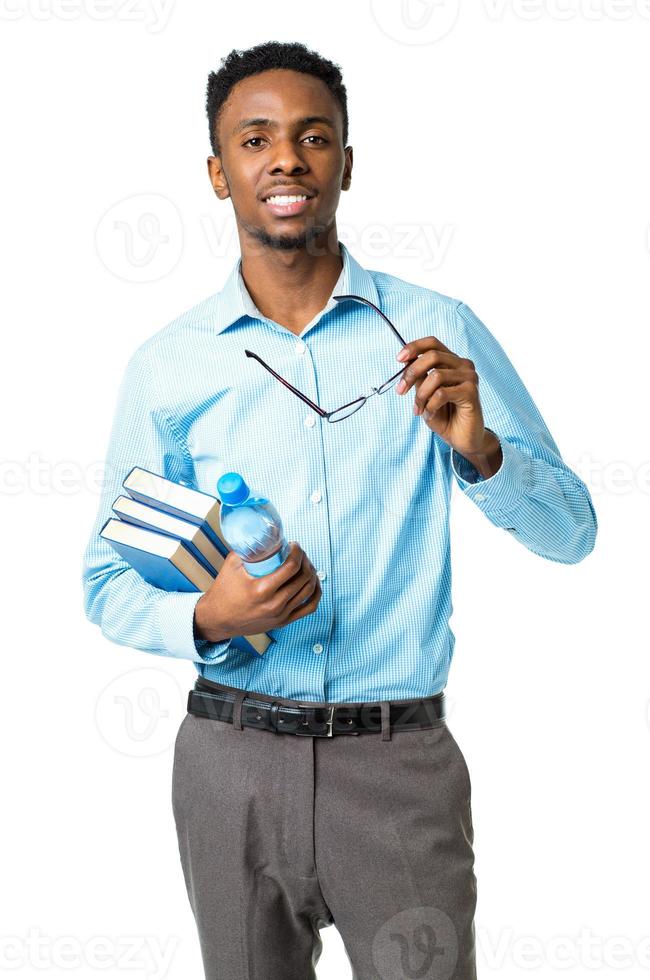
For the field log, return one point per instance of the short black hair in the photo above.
(271, 54)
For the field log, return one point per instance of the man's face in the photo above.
(283, 155)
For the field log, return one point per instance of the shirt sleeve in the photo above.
(533, 495)
(129, 610)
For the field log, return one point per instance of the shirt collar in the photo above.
(234, 301)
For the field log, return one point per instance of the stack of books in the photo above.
(171, 535)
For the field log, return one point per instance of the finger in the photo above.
(452, 394)
(289, 568)
(309, 606)
(440, 377)
(287, 592)
(422, 365)
(305, 593)
(415, 347)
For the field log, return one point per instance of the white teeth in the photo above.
(285, 199)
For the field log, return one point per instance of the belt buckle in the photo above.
(328, 722)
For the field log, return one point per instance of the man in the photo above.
(280, 836)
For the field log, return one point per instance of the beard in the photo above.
(305, 239)
(281, 242)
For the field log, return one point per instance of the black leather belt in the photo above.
(253, 710)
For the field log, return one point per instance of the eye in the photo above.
(312, 137)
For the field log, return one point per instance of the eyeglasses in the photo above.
(345, 411)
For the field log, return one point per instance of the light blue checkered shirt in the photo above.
(367, 498)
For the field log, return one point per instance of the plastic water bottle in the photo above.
(251, 526)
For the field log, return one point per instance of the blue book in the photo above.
(168, 563)
(142, 515)
(195, 506)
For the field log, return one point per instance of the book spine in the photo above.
(212, 536)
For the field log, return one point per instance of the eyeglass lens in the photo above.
(348, 410)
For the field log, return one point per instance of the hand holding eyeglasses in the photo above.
(447, 398)
(447, 394)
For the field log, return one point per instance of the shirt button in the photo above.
(479, 496)
(310, 421)
(316, 497)
(323, 575)
(300, 347)
(317, 648)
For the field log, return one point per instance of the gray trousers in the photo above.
(281, 835)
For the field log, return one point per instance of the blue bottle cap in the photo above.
(232, 488)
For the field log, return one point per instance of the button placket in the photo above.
(317, 495)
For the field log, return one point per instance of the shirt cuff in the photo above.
(176, 622)
(502, 491)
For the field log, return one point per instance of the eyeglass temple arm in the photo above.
(362, 299)
(316, 408)
(308, 401)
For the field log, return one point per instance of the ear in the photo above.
(347, 171)
(217, 177)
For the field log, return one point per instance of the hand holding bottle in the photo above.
(238, 604)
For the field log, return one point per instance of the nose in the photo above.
(286, 158)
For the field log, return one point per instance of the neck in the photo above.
(291, 286)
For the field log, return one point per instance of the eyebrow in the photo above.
(271, 123)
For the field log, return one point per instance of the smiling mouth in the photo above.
(287, 206)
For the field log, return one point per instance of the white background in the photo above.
(501, 156)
